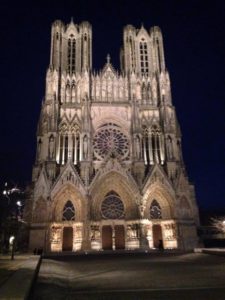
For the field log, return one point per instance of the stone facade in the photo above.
(109, 172)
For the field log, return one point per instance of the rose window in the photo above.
(112, 207)
(110, 139)
(155, 210)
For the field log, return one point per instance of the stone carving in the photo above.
(169, 147)
(83, 159)
(51, 147)
(85, 146)
(56, 234)
(137, 146)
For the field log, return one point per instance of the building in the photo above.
(109, 172)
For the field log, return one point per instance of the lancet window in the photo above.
(155, 210)
(68, 212)
(144, 63)
(71, 54)
(70, 92)
(132, 54)
(69, 144)
(153, 146)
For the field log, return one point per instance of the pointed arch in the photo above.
(68, 213)
(158, 192)
(71, 196)
(155, 210)
(116, 182)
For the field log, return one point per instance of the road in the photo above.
(132, 276)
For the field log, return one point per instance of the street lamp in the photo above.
(12, 245)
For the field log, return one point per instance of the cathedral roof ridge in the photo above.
(108, 65)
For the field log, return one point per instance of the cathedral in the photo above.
(109, 172)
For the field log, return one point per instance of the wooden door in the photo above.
(119, 237)
(106, 237)
(67, 239)
(157, 236)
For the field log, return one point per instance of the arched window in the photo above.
(68, 212)
(112, 206)
(144, 63)
(71, 54)
(155, 210)
(66, 149)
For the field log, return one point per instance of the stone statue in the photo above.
(138, 91)
(137, 146)
(169, 147)
(39, 148)
(67, 93)
(73, 93)
(85, 146)
(154, 89)
(51, 147)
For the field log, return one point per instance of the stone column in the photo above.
(150, 149)
(58, 150)
(86, 243)
(144, 148)
(143, 237)
(63, 149)
(113, 238)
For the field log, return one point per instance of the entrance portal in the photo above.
(157, 236)
(67, 239)
(119, 237)
(106, 237)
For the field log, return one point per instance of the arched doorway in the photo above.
(157, 235)
(107, 237)
(67, 239)
(119, 237)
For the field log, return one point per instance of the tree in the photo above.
(11, 217)
(219, 223)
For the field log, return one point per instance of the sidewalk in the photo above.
(16, 276)
(215, 251)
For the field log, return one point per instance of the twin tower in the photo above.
(71, 49)
(109, 172)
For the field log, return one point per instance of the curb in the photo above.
(216, 251)
(33, 280)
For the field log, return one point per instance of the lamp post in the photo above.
(12, 246)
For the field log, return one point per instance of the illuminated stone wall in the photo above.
(109, 140)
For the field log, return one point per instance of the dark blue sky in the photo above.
(194, 42)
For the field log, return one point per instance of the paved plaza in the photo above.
(132, 276)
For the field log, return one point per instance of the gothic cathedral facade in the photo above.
(109, 172)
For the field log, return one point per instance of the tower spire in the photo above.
(108, 58)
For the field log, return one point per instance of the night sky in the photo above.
(194, 44)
